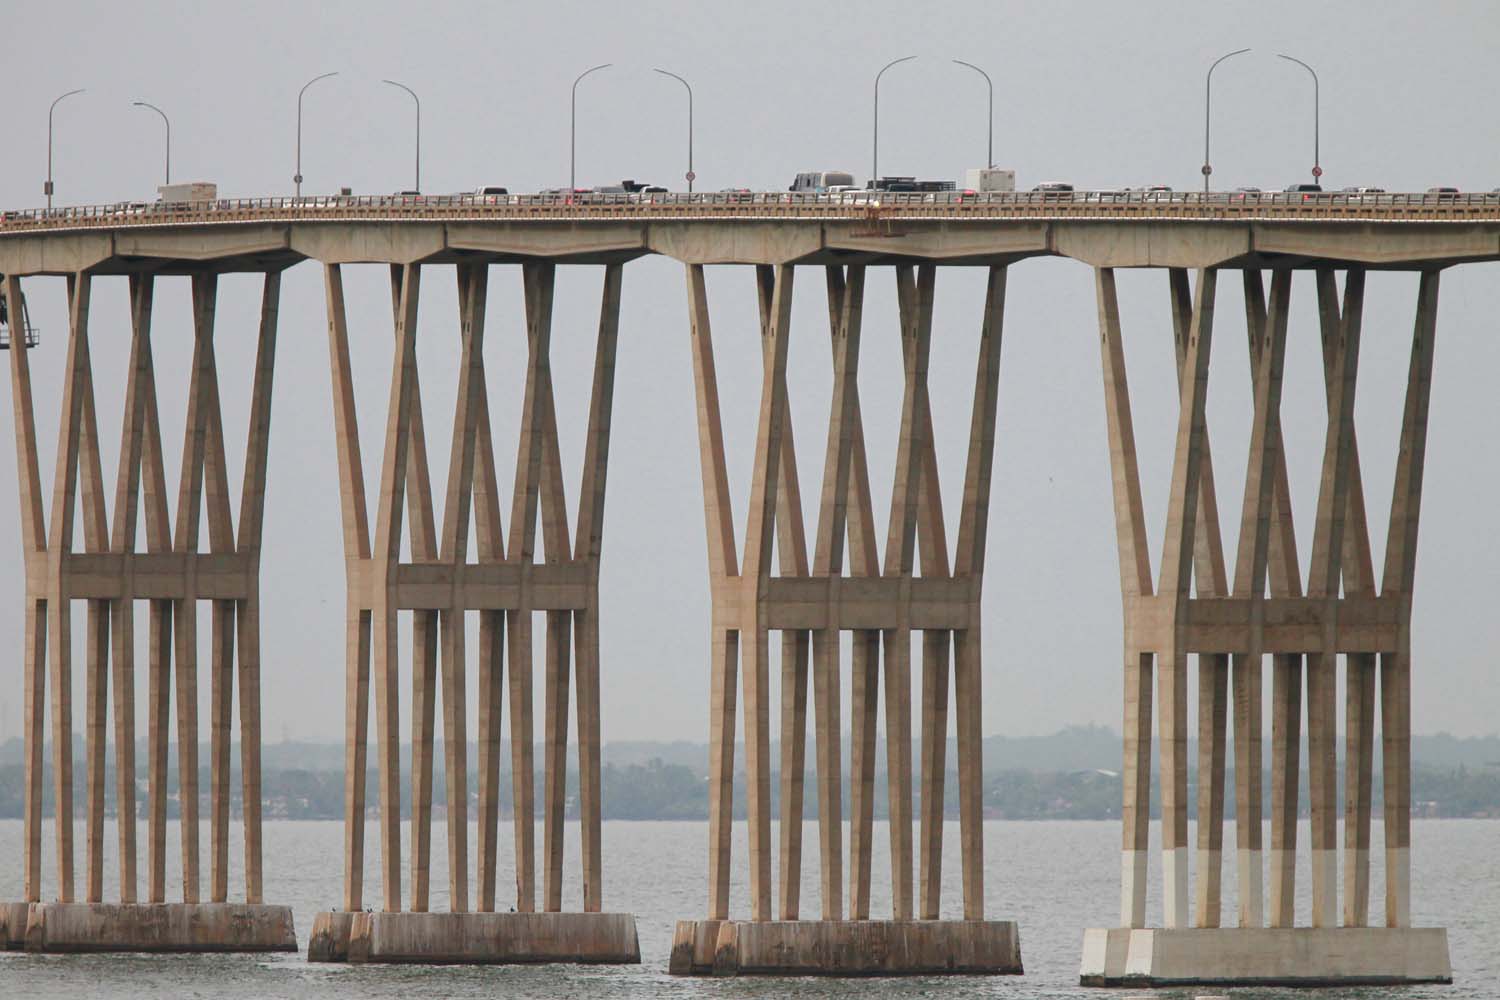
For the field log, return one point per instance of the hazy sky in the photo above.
(1096, 94)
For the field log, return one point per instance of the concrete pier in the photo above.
(845, 948)
(1338, 614)
(1266, 956)
(474, 938)
(148, 927)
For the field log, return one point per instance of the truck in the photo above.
(987, 179)
(192, 192)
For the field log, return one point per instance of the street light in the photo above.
(875, 140)
(47, 188)
(690, 175)
(573, 125)
(144, 104)
(297, 177)
(1208, 97)
(413, 93)
(990, 154)
(1317, 170)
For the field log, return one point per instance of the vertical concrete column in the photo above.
(1175, 585)
(915, 295)
(77, 388)
(973, 534)
(96, 643)
(358, 624)
(1341, 337)
(489, 535)
(531, 468)
(202, 461)
(247, 613)
(722, 562)
(462, 457)
(1397, 580)
(422, 534)
(386, 554)
(34, 547)
(845, 309)
(791, 547)
(1135, 585)
(1265, 481)
(588, 547)
(760, 528)
(1213, 669)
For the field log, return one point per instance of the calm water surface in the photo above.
(1054, 878)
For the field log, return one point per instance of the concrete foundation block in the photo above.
(152, 927)
(474, 938)
(845, 948)
(1265, 956)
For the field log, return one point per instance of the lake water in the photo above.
(1054, 878)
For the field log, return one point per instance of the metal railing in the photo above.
(856, 205)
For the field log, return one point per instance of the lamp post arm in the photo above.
(1208, 98)
(990, 146)
(50, 109)
(1317, 114)
(298, 179)
(875, 133)
(573, 126)
(418, 102)
(666, 72)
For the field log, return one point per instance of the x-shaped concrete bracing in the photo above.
(812, 603)
(1193, 610)
(439, 584)
(172, 575)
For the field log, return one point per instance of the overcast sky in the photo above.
(1095, 94)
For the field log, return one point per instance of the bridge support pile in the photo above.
(1194, 610)
(506, 586)
(172, 575)
(811, 603)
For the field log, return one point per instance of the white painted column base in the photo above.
(1325, 888)
(1251, 885)
(1133, 888)
(1174, 888)
(1301, 956)
(1398, 886)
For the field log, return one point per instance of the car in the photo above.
(1362, 190)
(1444, 193)
(1304, 189)
(407, 197)
(490, 195)
(1054, 190)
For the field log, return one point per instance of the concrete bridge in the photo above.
(844, 579)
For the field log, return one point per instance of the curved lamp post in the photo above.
(689, 175)
(989, 159)
(875, 139)
(573, 125)
(297, 178)
(47, 188)
(144, 104)
(1317, 170)
(1208, 99)
(418, 186)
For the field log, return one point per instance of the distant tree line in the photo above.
(659, 790)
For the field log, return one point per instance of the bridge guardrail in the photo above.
(852, 206)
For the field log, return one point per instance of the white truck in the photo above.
(987, 179)
(192, 192)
